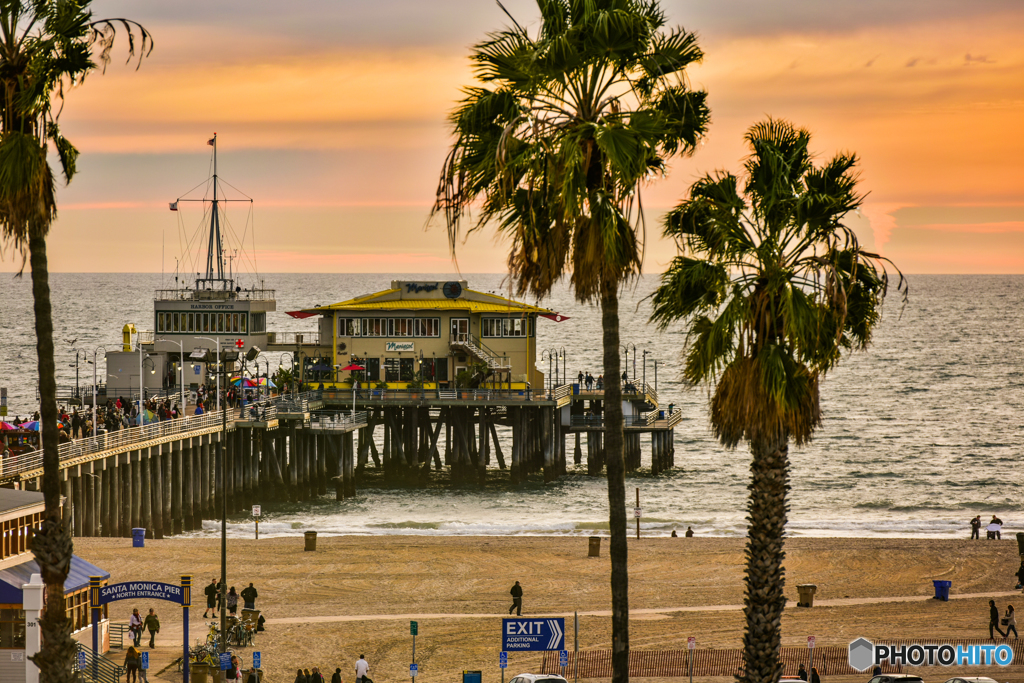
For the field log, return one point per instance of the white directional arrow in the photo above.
(556, 635)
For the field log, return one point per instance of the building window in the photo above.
(407, 367)
(490, 327)
(513, 327)
(191, 322)
(244, 320)
(12, 628)
(259, 323)
(400, 327)
(428, 327)
(373, 327)
(392, 370)
(348, 327)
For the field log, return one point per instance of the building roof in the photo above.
(15, 499)
(14, 577)
(392, 300)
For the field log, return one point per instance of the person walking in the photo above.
(815, 677)
(135, 627)
(802, 673)
(1010, 622)
(152, 625)
(993, 620)
(131, 665)
(249, 596)
(1020, 575)
(976, 528)
(362, 668)
(232, 601)
(317, 676)
(211, 598)
(336, 678)
(300, 677)
(517, 600)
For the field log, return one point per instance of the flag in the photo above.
(174, 206)
(557, 317)
(211, 141)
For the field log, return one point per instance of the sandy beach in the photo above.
(357, 594)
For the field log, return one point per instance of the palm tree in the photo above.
(45, 47)
(773, 287)
(555, 144)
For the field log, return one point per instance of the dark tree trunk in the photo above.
(765, 580)
(616, 483)
(52, 544)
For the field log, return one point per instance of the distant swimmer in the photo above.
(689, 532)
(517, 600)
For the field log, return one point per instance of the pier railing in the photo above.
(32, 461)
(294, 338)
(373, 395)
(339, 421)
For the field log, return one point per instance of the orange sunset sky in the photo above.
(331, 115)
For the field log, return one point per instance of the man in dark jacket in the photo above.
(249, 596)
(211, 599)
(993, 620)
(336, 678)
(517, 600)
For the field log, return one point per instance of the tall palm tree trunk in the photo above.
(52, 545)
(616, 483)
(765, 577)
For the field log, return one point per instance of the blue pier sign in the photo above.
(139, 590)
(531, 635)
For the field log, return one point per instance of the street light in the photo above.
(563, 355)
(291, 367)
(645, 366)
(625, 348)
(181, 345)
(84, 356)
(217, 342)
(550, 358)
(95, 424)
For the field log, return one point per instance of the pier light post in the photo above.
(645, 367)
(563, 355)
(625, 349)
(94, 380)
(217, 374)
(291, 367)
(78, 354)
(142, 381)
(181, 345)
(547, 353)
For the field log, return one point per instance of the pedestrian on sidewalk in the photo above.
(131, 665)
(1010, 622)
(211, 598)
(993, 620)
(249, 596)
(232, 601)
(317, 676)
(135, 627)
(153, 626)
(336, 678)
(517, 600)
(815, 678)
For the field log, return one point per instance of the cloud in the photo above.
(913, 62)
(979, 59)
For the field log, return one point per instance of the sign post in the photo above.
(691, 645)
(810, 655)
(532, 635)
(256, 510)
(257, 660)
(414, 628)
(503, 664)
(638, 512)
(563, 660)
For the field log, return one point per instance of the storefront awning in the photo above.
(13, 578)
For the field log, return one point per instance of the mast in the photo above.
(214, 249)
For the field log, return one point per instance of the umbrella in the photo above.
(263, 382)
(351, 367)
(244, 381)
(4, 425)
(34, 425)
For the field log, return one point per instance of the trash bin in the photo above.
(942, 590)
(138, 538)
(310, 540)
(595, 547)
(661, 414)
(806, 591)
(199, 672)
(575, 389)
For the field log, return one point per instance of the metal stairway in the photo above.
(494, 363)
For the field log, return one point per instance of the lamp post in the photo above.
(563, 355)
(291, 367)
(625, 348)
(217, 342)
(547, 352)
(645, 366)
(181, 345)
(77, 355)
(94, 366)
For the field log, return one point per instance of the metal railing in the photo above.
(294, 338)
(384, 394)
(33, 460)
(185, 294)
(338, 421)
(118, 630)
(97, 669)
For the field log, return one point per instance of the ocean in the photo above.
(921, 432)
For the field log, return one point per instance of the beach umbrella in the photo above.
(245, 382)
(353, 367)
(264, 382)
(33, 425)
(4, 425)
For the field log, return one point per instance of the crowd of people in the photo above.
(314, 675)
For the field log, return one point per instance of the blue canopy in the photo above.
(13, 578)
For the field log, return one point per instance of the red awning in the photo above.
(300, 314)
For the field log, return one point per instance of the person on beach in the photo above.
(211, 598)
(1020, 575)
(674, 534)
(152, 625)
(132, 659)
(300, 677)
(317, 676)
(135, 627)
(996, 526)
(517, 600)
(815, 677)
(689, 532)
(976, 528)
(362, 668)
(993, 620)
(249, 596)
(1010, 622)
(802, 673)
(232, 601)
(336, 678)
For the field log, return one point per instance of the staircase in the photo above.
(105, 670)
(466, 345)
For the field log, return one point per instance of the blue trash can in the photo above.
(942, 590)
(661, 414)
(138, 538)
(575, 389)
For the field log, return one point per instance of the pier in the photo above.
(167, 477)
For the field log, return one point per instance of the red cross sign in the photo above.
(239, 343)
